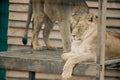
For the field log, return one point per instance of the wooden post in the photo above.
(101, 36)
(31, 75)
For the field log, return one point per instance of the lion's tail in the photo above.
(30, 11)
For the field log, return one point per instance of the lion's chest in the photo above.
(80, 48)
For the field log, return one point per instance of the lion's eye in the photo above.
(79, 29)
(90, 19)
(71, 28)
(74, 14)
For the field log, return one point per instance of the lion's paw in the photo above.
(66, 75)
(51, 47)
(36, 46)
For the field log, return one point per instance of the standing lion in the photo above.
(50, 12)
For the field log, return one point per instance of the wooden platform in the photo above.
(44, 61)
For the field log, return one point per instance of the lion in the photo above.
(84, 43)
(52, 12)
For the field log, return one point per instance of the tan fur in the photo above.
(52, 12)
(84, 47)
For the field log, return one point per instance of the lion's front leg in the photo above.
(69, 65)
(66, 56)
(65, 34)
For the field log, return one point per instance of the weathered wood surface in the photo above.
(115, 63)
(23, 75)
(44, 61)
(101, 30)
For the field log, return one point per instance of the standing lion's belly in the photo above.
(51, 10)
(55, 10)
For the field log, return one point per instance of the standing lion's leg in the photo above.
(46, 32)
(38, 14)
(65, 33)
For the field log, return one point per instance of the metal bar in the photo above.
(31, 75)
(101, 36)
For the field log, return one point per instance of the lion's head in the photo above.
(83, 26)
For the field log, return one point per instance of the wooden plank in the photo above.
(19, 1)
(21, 24)
(20, 32)
(41, 76)
(113, 22)
(47, 78)
(110, 13)
(12, 47)
(112, 73)
(18, 16)
(80, 78)
(44, 61)
(12, 74)
(108, 78)
(18, 41)
(113, 13)
(94, 4)
(113, 5)
(113, 1)
(18, 24)
(17, 74)
(18, 7)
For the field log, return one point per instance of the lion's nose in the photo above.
(80, 38)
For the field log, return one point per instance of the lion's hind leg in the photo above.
(36, 30)
(38, 14)
(46, 32)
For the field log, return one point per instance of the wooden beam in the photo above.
(44, 61)
(31, 75)
(101, 36)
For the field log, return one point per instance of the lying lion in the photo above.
(84, 39)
